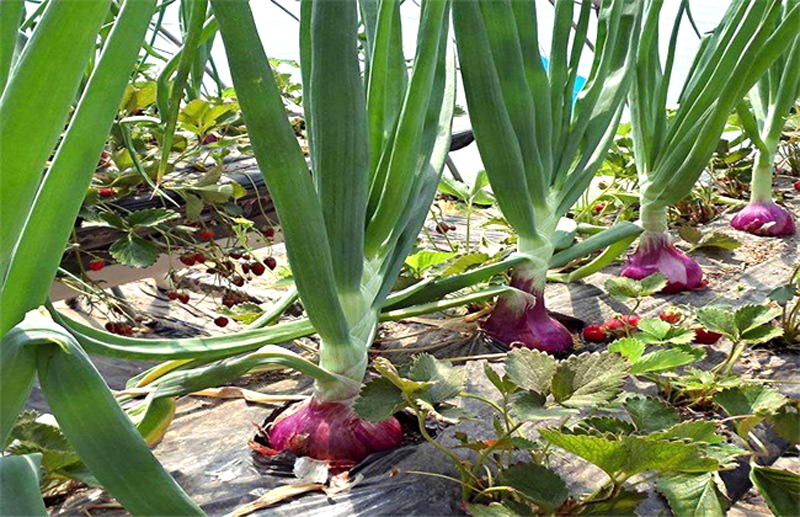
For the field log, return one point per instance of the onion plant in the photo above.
(771, 100)
(539, 149)
(671, 151)
(411, 142)
(377, 147)
(37, 212)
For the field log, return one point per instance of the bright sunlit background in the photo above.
(279, 31)
(278, 27)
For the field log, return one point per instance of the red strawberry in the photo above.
(245, 268)
(613, 325)
(271, 262)
(234, 255)
(598, 208)
(257, 268)
(594, 334)
(97, 264)
(104, 160)
(269, 232)
(111, 327)
(228, 301)
(671, 316)
(442, 228)
(237, 281)
(107, 192)
(797, 185)
(207, 235)
(221, 321)
(210, 139)
(183, 297)
(189, 260)
(199, 258)
(622, 325)
(706, 337)
(172, 295)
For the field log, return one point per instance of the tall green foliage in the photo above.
(37, 214)
(771, 101)
(672, 152)
(539, 148)
(376, 157)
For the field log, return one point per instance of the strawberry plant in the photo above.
(787, 297)
(649, 439)
(627, 289)
(746, 325)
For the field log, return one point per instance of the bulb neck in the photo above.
(531, 275)
(653, 218)
(761, 184)
(347, 360)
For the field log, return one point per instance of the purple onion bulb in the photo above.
(519, 320)
(657, 254)
(332, 431)
(766, 219)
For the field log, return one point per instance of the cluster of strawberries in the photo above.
(627, 325)
(182, 297)
(192, 258)
(616, 327)
(226, 268)
(118, 327)
(443, 227)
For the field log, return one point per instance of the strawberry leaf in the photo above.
(633, 454)
(447, 381)
(537, 483)
(719, 319)
(630, 348)
(780, 489)
(750, 399)
(132, 250)
(649, 414)
(693, 495)
(531, 370)
(588, 379)
(659, 360)
(379, 400)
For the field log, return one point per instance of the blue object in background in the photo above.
(579, 80)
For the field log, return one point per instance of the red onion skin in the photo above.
(657, 254)
(764, 218)
(332, 431)
(526, 323)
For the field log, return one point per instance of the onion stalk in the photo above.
(771, 100)
(540, 149)
(38, 206)
(671, 152)
(377, 147)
